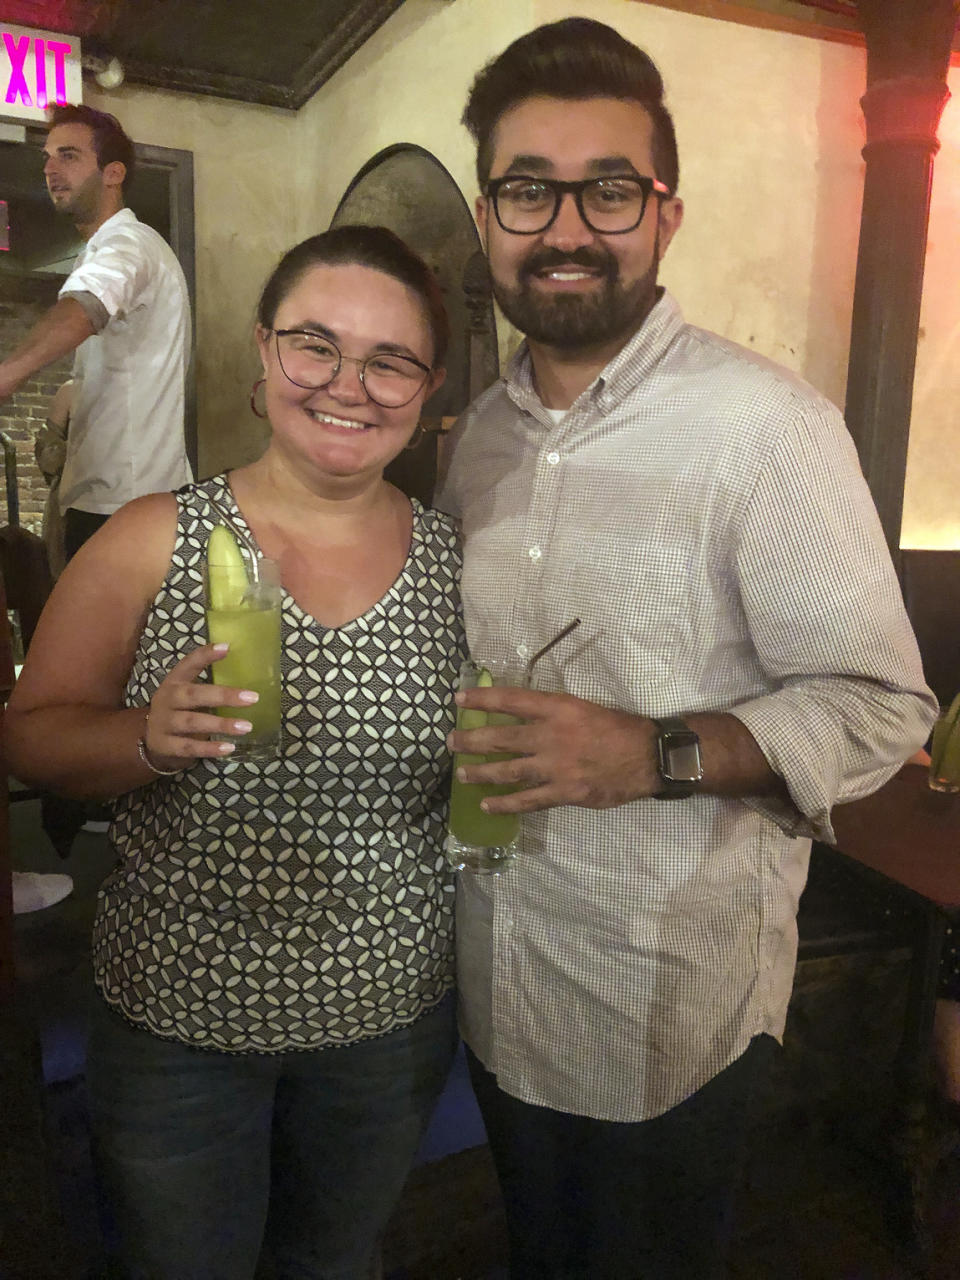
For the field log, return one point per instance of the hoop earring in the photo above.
(253, 397)
(416, 439)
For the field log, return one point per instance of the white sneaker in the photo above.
(32, 891)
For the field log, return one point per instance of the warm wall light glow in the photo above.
(947, 539)
(931, 509)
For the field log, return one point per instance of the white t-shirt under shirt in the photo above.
(127, 421)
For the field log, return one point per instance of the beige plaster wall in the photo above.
(248, 191)
(931, 512)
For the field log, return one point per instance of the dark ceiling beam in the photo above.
(364, 18)
(338, 44)
(908, 53)
(213, 84)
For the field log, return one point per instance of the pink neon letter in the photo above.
(40, 64)
(60, 53)
(17, 53)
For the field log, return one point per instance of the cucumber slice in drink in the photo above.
(226, 570)
(471, 717)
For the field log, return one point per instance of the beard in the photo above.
(571, 321)
(82, 204)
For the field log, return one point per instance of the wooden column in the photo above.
(908, 53)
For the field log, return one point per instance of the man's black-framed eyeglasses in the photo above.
(312, 360)
(611, 206)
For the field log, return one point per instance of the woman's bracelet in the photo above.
(145, 755)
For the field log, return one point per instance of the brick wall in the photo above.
(23, 299)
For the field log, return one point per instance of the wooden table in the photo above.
(910, 835)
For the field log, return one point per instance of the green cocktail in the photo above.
(246, 615)
(945, 750)
(479, 841)
(253, 662)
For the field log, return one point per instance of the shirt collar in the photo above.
(116, 219)
(633, 362)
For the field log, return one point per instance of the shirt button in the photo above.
(534, 553)
(522, 651)
(553, 458)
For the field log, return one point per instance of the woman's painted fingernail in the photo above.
(242, 726)
(226, 747)
(248, 695)
(220, 648)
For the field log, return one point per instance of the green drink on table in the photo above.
(479, 841)
(945, 750)
(244, 613)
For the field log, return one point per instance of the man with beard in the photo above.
(743, 662)
(124, 310)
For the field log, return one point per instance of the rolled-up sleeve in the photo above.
(116, 274)
(826, 616)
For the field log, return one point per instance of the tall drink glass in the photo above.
(945, 754)
(486, 843)
(251, 627)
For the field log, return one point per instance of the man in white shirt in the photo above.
(124, 309)
(743, 662)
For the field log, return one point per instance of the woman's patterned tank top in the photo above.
(302, 901)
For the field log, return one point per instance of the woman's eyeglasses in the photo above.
(311, 361)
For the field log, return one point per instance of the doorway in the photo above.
(42, 248)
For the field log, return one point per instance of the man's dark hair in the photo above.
(360, 246)
(575, 58)
(109, 140)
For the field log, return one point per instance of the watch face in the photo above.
(681, 758)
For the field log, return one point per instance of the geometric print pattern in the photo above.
(264, 906)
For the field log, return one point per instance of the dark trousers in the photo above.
(598, 1200)
(78, 526)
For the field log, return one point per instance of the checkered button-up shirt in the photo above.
(702, 511)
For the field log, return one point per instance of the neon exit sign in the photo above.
(38, 69)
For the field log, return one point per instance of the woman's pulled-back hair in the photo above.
(573, 58)
(360, 246)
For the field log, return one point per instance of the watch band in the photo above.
(676, 788)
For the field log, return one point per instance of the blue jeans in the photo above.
(206, 1160)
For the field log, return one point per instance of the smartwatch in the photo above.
(678, 759)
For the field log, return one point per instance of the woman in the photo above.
(273, 947)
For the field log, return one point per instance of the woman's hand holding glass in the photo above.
(183, 713)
